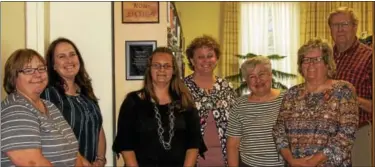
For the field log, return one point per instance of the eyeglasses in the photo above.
(343, 25)
(31, 71)
(261, 76)
(314, 60)
(158, 66)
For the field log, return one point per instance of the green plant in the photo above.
(237, 78)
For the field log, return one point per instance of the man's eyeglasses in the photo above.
(314, 60)
(31, 71)
(343, 25)
(158, 66)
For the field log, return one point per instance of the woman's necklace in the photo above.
(171, 118)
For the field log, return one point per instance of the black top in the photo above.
(137, 131)
(84, 117)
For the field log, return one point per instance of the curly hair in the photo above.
(327, 54)
(177, 88)
(253, 62)
(199, 42)
(82, 79)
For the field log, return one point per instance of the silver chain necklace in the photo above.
(171, 117)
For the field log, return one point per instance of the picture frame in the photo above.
(140, 12)
(136, 57)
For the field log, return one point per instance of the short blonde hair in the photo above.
(327, 54)
(17, 60)
(253, 62)
(344, 10)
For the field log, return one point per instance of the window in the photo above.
(271, 28)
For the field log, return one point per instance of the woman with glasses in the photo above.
(318, 118)
(70, 89)
(213, 97)
(33, 131)
(159, 125)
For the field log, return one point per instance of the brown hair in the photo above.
(17, 60)
(199, 42)
(82, 79)
(177, 88)
(327, 54)
(344, 10)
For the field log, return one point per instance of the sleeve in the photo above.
(279, 132)
(51, 94)
(369, 72)
(20, 128)
(339, 146)
(234, 125)
(193, 128)
(126, 134)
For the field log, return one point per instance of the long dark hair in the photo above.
(82, 79)
(177, 88)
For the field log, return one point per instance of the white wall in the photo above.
(89, 26)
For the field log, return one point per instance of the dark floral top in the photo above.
(324, 122)
(219, 100)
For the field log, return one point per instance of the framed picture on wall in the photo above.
(136, 55)
(140, 12)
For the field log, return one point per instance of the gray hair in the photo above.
(344, 10)
(253, 62)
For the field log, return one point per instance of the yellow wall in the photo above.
(198, 18)
(13, 32)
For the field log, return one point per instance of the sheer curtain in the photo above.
(285, 22)
(272, 28)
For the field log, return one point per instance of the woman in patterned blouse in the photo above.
(213, 96)
(70, 89)
(318, 118)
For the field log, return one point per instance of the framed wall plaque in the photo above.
(137, 53)
(140, 12)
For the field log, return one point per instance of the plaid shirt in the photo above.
(355, 66)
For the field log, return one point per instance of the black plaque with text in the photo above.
(137, 53)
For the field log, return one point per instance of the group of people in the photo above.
(51, 115)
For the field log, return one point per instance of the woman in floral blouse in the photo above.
(213, 96)
(318, 118)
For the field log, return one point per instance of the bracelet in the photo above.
(101, 158)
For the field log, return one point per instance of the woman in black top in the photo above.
(70, 89)
(159, 125)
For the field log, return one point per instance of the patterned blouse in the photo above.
(319, 122)
(220, 99)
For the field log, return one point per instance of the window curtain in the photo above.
(314, 18)
(228, 63)
(272, 28)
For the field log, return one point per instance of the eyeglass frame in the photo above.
(313, 60)
(260, 76)
(159, 66)
(343, 25)
(40, 69)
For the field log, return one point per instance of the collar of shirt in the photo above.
(349, 51)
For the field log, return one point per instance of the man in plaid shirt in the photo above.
(354, 64)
